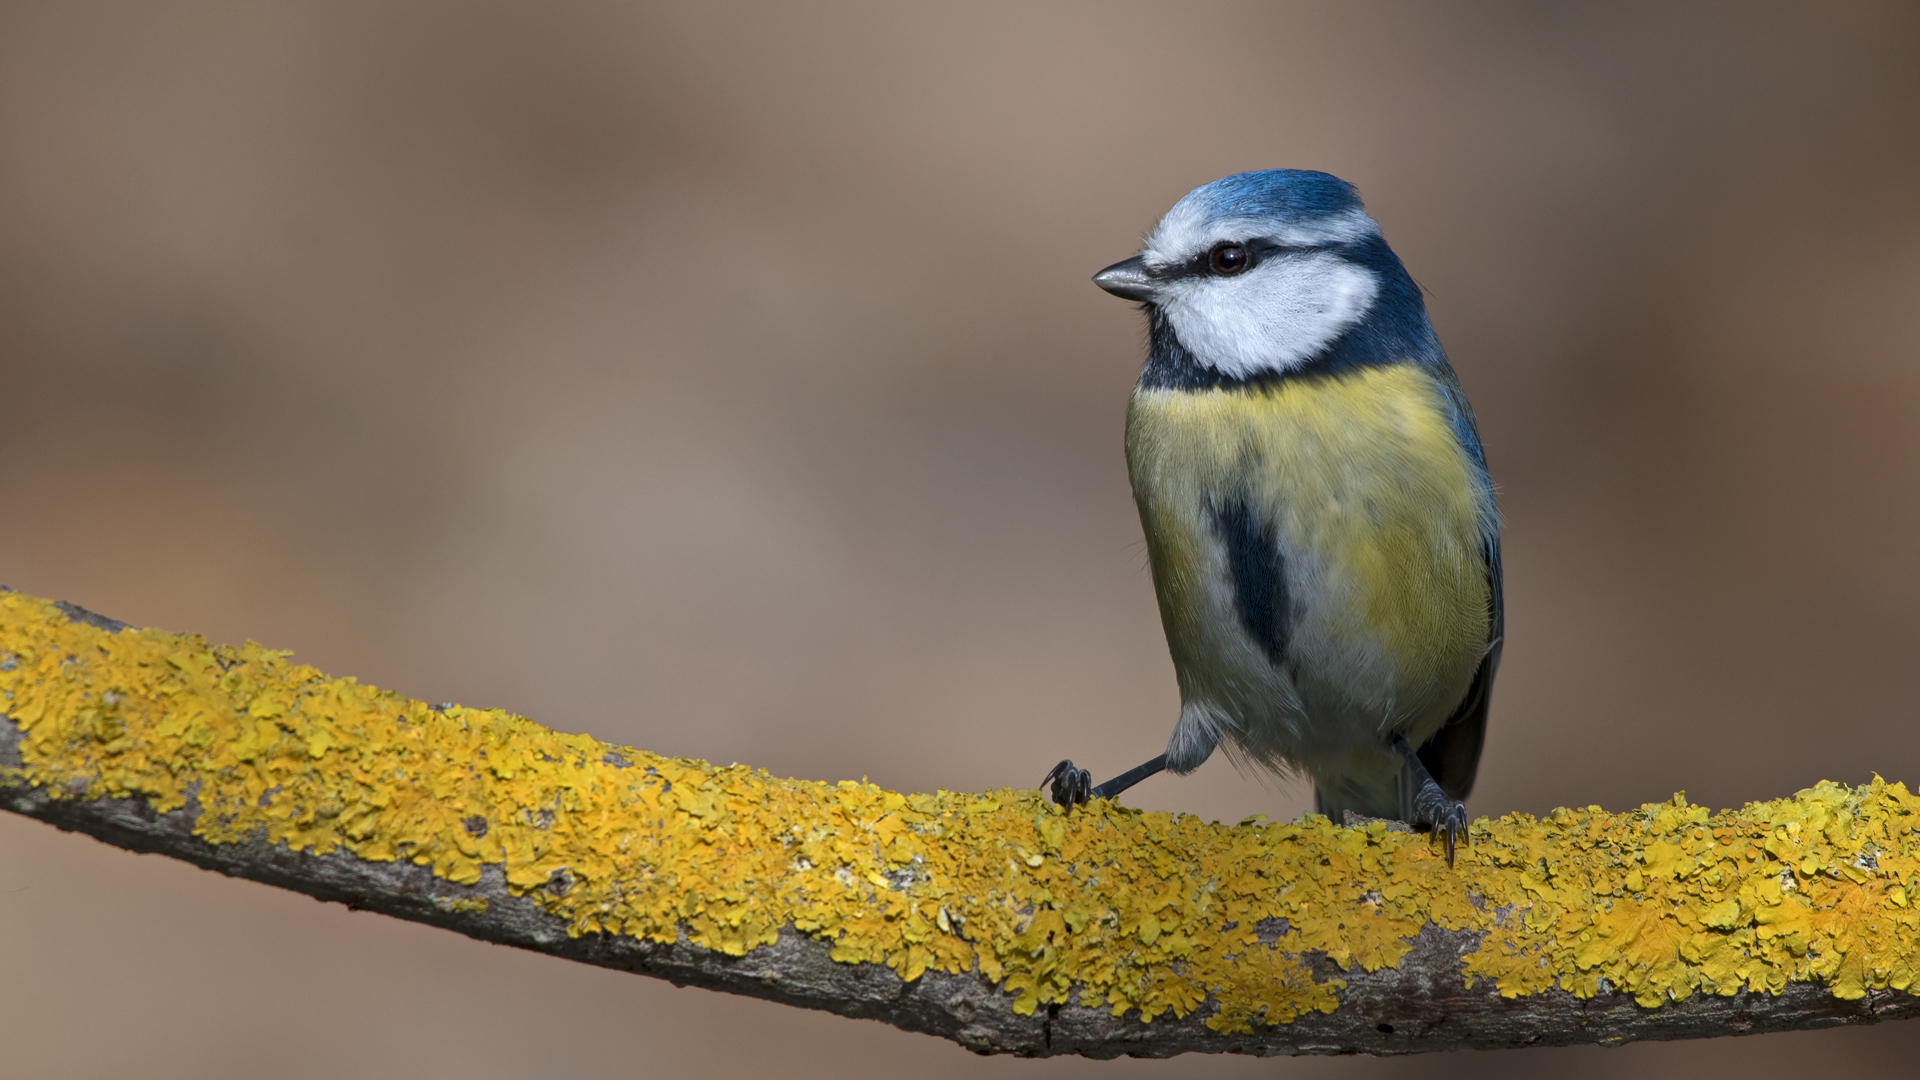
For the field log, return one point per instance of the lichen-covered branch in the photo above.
(991, 919)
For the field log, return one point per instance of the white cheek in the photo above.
(1274, 318)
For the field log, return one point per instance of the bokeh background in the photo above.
(724, 379)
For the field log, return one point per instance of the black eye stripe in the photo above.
(1258, 250)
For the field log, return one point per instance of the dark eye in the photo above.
(1228, 258)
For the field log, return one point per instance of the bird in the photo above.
(1320, 522)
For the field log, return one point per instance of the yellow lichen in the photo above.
(1148, 913)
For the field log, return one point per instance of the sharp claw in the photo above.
(1445, 817)
(1070, 786)
(1054, 773)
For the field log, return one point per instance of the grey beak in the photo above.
(1127, 280)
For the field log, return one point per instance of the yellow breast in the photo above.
(1379, 512)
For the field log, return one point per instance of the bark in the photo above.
(1421, 1003)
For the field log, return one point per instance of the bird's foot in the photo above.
(1070, 786)
(1445, 818)
(1433, 809)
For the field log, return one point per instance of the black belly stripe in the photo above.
(1259, 574)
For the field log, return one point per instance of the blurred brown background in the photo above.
(725, 380)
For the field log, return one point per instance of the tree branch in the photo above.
(993, 920)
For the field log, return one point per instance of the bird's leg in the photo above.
(1432, 809)
(1072, 786)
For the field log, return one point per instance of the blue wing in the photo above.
(1453, 755)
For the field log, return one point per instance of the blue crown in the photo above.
(1284, 194)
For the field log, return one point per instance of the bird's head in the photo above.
(1263, 271)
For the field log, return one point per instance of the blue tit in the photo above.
(1318, 514)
